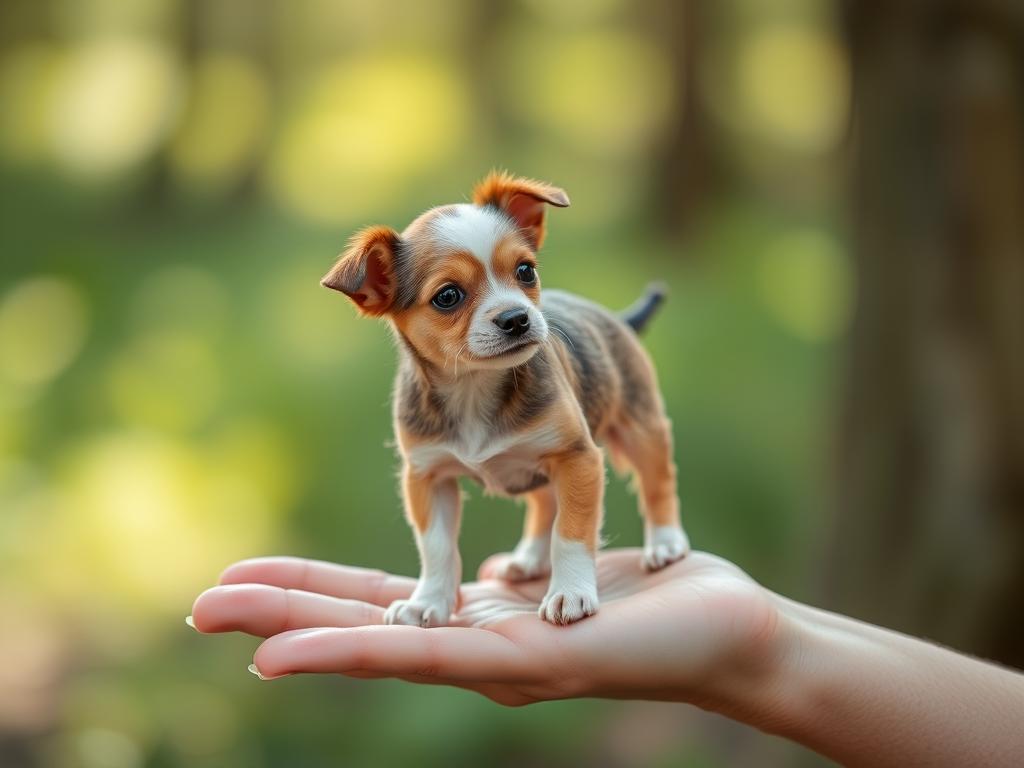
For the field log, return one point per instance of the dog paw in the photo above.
(419, 612)
(665, 544)
(566, 606)
(530, 561)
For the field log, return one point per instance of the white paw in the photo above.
(565, 606)
(531, 560)
(419, 612)
(665, 544)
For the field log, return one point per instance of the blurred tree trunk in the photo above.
(684, 162)
(929, 536)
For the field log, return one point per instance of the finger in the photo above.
(343, 581)
(263, 610)
(489, 568)
(456, 655)
(503, 694)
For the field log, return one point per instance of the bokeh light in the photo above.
(574, 11)
(28, 78)
(43, 324)
(169, 381)
(603, 92)
(116, 101)
(806, 282)
(362, 127)
(795, 83)
(145, 519)
(316, 329)
(30, 686)
(225, 123)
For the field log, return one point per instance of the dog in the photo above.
(515, 389)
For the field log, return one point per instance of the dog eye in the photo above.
(526, 274)
(448, 297)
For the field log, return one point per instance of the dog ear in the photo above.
(522, 199)
(365, 271)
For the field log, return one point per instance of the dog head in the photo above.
(460, 283)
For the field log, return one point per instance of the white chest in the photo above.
(503, 464)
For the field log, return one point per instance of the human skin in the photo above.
(700, 631)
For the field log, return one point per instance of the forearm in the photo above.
(863, 695)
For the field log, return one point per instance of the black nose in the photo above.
(514, 322)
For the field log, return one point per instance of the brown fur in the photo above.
(522, 199)
(541, 506)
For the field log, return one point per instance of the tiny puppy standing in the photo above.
(514, 388)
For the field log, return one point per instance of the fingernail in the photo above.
(261, 676)
(189, 620)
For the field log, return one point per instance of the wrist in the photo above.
(807, 651)
(754, 683)
(776, 686)
(825, 670)
(860, 694)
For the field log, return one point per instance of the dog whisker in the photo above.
(461, 349)
(561, 333)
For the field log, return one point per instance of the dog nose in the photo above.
(514, 322)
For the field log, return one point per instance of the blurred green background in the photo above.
(177, 391)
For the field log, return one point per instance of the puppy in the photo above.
(514, 389)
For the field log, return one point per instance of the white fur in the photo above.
(474, 229)
(530, 559)
(485, 339)
(498, 461)
(479, 230)
(572, 593)
(432, 602)
(664, 544)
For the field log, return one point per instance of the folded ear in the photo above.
(522, 199)
(365, 271)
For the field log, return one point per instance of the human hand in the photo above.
(694, 631)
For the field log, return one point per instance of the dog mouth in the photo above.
(514, 349)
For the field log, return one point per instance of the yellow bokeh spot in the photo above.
(111, 725)
(794, 84)
(88, 18)
(115, 104)
(28, 75)
(605, 92)
(225, 122)
(364, 127)
(574, 11)
(106, 748)
(805, 282)
(131, 519)
(42, 329)
(149, 519)
(254, 469)
(169, 381)
(313, 325)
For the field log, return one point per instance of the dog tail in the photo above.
(638, 314)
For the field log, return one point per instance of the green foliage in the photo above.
(177, 391)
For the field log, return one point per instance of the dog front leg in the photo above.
(532, 556)
(434, 510)
(579, 487)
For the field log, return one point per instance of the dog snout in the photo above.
(514, 322)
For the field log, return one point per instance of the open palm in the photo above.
(671, 634)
